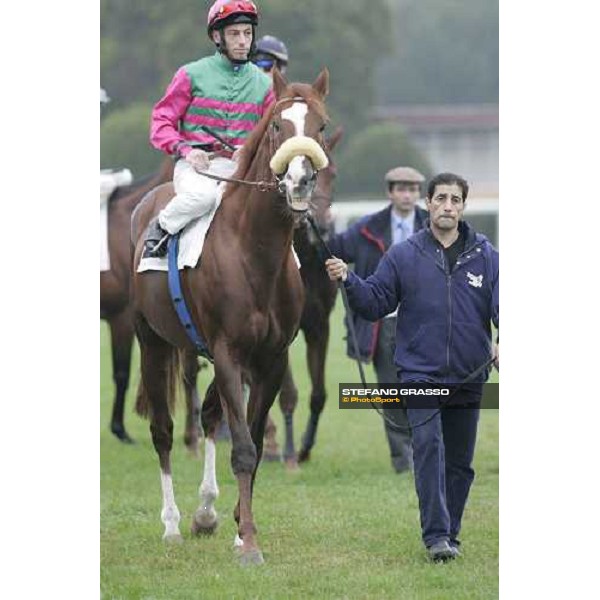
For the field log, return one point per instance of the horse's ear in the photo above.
(321, 84)
(279, 83)
(334, 140)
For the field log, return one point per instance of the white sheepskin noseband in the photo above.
(299, 145)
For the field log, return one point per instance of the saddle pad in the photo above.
(104, 257)
(191, 243)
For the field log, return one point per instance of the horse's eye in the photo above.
(276, 126)
(323, 128)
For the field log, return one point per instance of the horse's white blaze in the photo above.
(297, 115)
(209, 490)
(296, 168)
(170, 513)
(297, 174)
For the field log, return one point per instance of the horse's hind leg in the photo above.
(288, 400)
(316, 351)
(205, 519)
(192, 402)
(271, 453)
(156, 393)
(121, 336)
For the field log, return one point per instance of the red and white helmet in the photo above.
(228, 12)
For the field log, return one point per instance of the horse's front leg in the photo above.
(316, 354)
(228, 377)
(266, 383)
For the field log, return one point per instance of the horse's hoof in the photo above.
(251, 557)
(193, 451)
(119, 432)
(204, 522)
(192, 443)
(271, 457)
(174, 538)
(291, 465)
(304, 455)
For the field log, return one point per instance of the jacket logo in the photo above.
(475, 280)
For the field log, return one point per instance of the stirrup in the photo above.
(159, 249)
(155, 244)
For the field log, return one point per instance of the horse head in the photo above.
(297, 121)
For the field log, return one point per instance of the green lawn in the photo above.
(346, 526)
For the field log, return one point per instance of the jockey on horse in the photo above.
(271, 52)
(225, 92)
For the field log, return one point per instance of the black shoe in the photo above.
(441, 552)
(155, 244)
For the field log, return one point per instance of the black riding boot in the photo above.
(155, 244)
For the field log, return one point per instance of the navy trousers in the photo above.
(443, 452)
(387, 372)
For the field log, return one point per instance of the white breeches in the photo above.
(196, 194)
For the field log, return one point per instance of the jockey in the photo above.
(271, 52)
(224, 92)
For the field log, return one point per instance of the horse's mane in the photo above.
(254, 141)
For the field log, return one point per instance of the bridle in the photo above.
(262, 186)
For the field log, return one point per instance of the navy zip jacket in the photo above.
(364, 244)
(443, 331)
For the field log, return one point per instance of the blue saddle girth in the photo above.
(178, 300)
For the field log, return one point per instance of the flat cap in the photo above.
(404, 174)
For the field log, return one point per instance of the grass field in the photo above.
(346, 526)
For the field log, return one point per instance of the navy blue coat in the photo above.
(364, 244)
(443, 330)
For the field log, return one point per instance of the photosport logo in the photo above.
(417, 395)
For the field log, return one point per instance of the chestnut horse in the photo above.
(320, 293)
(116, 307)
(245, 297)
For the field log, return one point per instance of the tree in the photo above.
(373, 152)
(124, 140)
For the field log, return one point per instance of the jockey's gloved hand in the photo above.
(198, 159)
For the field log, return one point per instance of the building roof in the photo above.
(423, 117)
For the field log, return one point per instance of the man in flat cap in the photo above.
(364, 244)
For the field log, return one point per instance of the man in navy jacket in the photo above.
(444, 282)
(364, 244)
